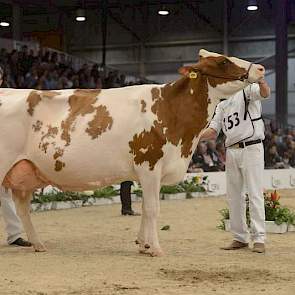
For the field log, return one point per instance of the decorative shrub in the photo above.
(106, 192)
(196, 184)
(273, 211)
(172, 189)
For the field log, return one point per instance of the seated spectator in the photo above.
(193, 168)
(221, 152)
(211, 147)
(273, 159)
(203, 159)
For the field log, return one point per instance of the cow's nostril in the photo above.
(261, 69)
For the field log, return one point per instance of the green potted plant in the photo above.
(195, 187)
(172, 192)
(277, 218)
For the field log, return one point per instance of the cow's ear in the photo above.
(185, 70)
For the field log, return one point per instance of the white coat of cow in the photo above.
(82, 139)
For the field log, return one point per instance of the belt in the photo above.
(244, 144)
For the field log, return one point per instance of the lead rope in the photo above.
(246, 105)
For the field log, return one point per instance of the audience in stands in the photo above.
(279, 145)
(50, 70)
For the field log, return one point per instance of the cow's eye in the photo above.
(224, 62)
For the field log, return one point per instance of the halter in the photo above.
(246, 76)
(242, 78)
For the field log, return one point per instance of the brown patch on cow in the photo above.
(143, 106)
(58, 153)
(147, 146)
(59, 165)
(33, 100)
(50, 94)
(35, 97)
(181, 110)
(81, 103)
(51, 133)
(155, 93)
(181, 117)
(43, 146)
(37, 126)
(100, 123)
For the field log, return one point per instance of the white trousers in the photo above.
(244, 174)
(13, 225)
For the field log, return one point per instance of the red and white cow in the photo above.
(82, 139)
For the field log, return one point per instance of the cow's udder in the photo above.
(24, 176)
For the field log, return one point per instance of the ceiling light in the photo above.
(80, 15)
(252, 5)
(163, 11)
(80, 18)
(4, 24)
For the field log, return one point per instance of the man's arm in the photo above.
(258, 91)
(264, 88)
(215, 125)
(208, 134)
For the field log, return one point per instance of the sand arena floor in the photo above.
(92, 251)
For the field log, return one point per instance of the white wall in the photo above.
(273, 179)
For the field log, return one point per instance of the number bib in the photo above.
(236, 125)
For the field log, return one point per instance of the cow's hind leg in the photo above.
(142, 235)
(148, 234)
(22, 201)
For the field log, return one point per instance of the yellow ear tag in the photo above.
(193, 75)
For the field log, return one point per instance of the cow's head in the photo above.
(225, 75)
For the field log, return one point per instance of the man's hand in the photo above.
(264, 88)
(208, 134)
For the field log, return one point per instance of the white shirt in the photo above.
(230, 117)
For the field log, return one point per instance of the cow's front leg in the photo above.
(22, 204)
(148, 234)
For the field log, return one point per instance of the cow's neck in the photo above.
(182, 111)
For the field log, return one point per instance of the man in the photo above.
(239, 117)
(125, 195)
(12, 222)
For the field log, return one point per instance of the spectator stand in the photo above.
(279, 150)
(27, 65)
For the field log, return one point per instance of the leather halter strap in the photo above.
(241, 78)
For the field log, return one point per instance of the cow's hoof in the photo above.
(139, 241)
(39, 247)
(156, 252)
(143, 251)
